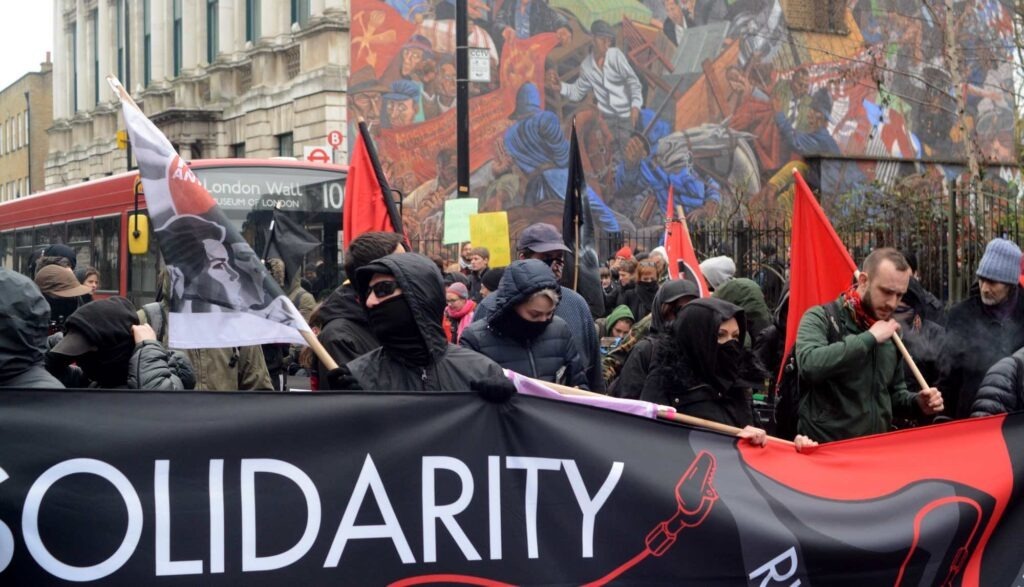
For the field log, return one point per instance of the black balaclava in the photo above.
(394, 325)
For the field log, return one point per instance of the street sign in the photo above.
(334, 138)
(317, 154)
(479, 65)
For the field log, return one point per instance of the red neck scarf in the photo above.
(851, 298)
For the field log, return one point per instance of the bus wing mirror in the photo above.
(138, 234)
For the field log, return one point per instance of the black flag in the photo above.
(290, 242)
(581, 266)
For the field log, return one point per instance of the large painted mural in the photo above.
(709, 100)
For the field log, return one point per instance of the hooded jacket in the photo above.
(576, 313)
(346, 332)
(551, 356)
(684, 372)
(450, 367)
(24, 323)
(604, 325)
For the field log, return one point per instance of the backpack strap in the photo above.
(833, 314)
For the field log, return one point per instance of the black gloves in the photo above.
(497, 390)
(341, 379)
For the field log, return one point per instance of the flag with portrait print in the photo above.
(221, 294)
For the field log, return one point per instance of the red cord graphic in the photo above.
(962, 553)
(695, 495)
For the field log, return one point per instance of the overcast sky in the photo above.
(26, 34)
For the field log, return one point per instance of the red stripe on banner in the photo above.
(188, 195)
(445, 578)
(974, 453)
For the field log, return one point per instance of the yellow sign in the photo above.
(490, 230)
(122, 139)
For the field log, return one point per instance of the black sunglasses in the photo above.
(383, 289)
(553, 261)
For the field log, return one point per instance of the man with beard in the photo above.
(984, 328)
(853, 386)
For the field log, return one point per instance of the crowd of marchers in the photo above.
(403, 321)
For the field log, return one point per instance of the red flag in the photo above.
(820, 266)
(681, 255)
(366, 208)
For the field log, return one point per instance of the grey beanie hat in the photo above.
(1001, 262)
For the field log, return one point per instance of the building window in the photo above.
(94, 22)
(285, 145)
(120, 40)
(212, 30)
(816, 16)
(147, 49)
(17, 131)
(300, 12)
(252, 20)
(176, 16)
(238, 151)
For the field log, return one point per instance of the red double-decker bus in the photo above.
(93, 218)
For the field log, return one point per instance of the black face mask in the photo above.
(515, 326)
(728, 362)
(394, 326)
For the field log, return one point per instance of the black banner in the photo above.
(414, 489)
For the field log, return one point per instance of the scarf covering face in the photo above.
(854, 303)
(696, 334)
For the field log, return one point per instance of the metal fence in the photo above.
(920, 221)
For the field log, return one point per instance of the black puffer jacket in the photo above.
(24, 321)
(1002, 390)
(451, 368)
(551, 356)
(346, 333)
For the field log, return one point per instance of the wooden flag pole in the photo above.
(321, 352)
(664, 412)
(910, 361)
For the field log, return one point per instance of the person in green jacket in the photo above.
(851, 387)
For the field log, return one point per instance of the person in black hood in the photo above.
(24, 319)
(111, 350)
(701, 368)
(671, 298)
(404, 296)
(346, 332)
(523, 334)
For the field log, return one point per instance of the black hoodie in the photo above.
(685, 374)
(450, 368)
(346, 333)
(24, 322)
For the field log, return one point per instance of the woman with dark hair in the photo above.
(701, 367)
